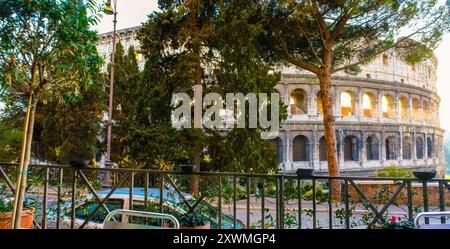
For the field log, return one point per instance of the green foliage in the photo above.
(77, 123)
(393, 171)
(398, 223)
(7, 201)
(10, 143)
(224, 31)
(190, 219)
(48, 55)
(126, 81)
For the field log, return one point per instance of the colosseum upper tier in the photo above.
(387, 115)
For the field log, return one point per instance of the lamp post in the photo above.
(110, 10)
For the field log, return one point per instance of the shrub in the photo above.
(393, 171)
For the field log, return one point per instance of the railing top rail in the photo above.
(255, 175)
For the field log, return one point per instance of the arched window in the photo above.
(372, 148)
(298, 102)
(403, 106)
(347, 104)
(276, 144)
(368, 105)
(300, 149)
(387, 106)
(391, 148)
(433, 111)
(429, 147)
(425, 110)
(415, 108)
(351, 148)
(319, 103)
(419, 148)
(323, 149)
(385, 59)
(406, 146)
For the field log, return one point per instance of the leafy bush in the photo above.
(190, 219)
(393, 171)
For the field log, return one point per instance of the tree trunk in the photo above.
(24, 162)
(198, 81)
(330, 136)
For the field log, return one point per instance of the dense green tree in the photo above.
(9, 143)
(325, 37)
(186, 26)
(229, 63)
(126, 79)
(47, 51)
(69, 130)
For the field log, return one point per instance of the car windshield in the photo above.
(86, 210)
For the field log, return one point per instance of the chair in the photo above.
(107, 224)
(427, 215)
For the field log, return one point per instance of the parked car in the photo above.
(120, 200)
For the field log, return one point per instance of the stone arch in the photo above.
(372, 148)
(297, 101)
(300, 147)
(369, 105)
(323, 149)
(419, 147)
(391, 148)
(347, 103)
(403, 107)
(387, 106)
(351, 148)
(406, 148)
(277, 145)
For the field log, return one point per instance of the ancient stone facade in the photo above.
(386, 115)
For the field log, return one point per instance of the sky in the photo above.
(133, 12)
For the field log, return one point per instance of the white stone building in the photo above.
(387, 115)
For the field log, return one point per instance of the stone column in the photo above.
(363, 150)
(337, 102)
(314, 149)
(313, 102)
(340, 140)
(421, 113)
(378, 103)
(410, 108)
(400, 154)
(397, 106)
(359, 104)
(308, 105)
(413, 144)
(382, 148)
(287, 98)
(425, 149)
(287, 153)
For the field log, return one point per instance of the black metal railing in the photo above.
(232, 200)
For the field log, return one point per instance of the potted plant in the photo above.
(6, 211)
(192, 220)
(301, 172)
(187, 168)
(425, 174)
(398, 223)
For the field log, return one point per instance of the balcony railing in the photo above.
(229, 200)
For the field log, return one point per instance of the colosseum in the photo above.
(387, 115)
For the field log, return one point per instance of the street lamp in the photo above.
(110, 10)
